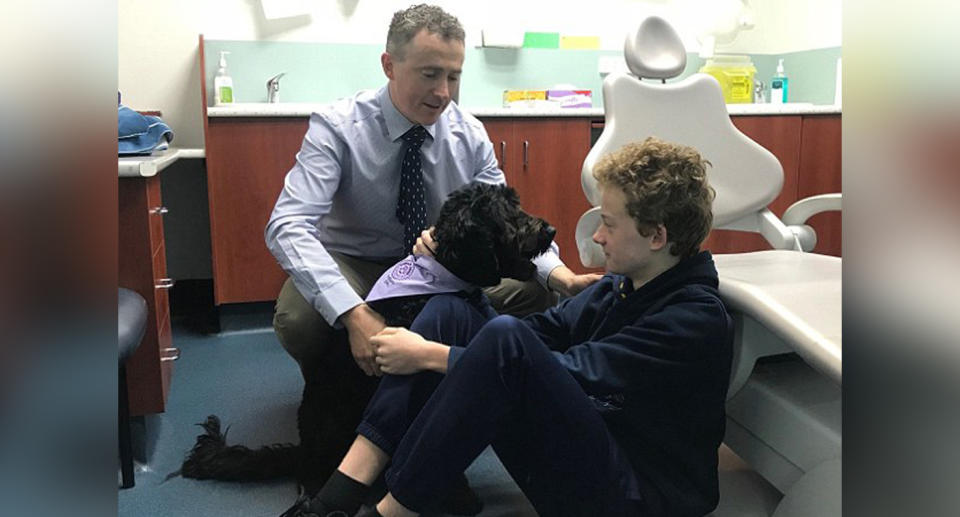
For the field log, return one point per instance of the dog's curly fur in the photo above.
(482, 236)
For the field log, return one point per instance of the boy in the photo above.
(611, 403)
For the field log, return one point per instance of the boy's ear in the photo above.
(658, 240)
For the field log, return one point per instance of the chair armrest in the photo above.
(795, 217)
(799, 212)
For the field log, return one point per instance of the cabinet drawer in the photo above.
(161, 284)
(155, 210)
(167, 356)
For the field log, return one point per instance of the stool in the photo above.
(131, 323)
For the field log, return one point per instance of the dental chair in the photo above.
(783, 406)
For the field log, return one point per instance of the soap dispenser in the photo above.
(222, 83)
(779, 86)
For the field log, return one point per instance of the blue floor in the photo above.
(245, 377)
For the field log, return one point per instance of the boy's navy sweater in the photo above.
(657, 360)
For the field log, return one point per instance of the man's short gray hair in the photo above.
(408, 22)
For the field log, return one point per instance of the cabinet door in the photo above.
(142, 268)
(247, 161)
(548, 155)
(820, 173)
(781, 136)
(501, 133)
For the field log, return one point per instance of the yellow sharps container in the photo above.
(735, 74)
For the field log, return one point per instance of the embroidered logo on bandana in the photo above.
(402, 271)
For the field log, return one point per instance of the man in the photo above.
(372, 173)
(610, 404)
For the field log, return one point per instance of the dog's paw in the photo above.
(211, 427)
(208, 445)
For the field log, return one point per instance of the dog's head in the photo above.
(483, 235)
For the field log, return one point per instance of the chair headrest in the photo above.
(655, 50)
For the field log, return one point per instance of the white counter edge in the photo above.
(146, 166)
(305, 109)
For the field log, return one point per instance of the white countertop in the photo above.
(146, 166)
(295, 109)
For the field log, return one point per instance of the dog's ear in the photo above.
(468, 232)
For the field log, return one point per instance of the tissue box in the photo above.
(571, 98)
(523, 98)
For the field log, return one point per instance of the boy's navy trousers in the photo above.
(506, 390)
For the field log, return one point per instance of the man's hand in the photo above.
(362, 323)
(402, 352)
(425, 243)
(568, 283)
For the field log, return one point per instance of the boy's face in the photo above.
(427, 77)
(627, 251)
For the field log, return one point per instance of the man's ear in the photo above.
(659, 238)
(386, 61)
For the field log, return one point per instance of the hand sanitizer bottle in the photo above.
(222, 83)
(779, 86)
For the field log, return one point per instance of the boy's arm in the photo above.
(659, 349)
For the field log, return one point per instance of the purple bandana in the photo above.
(414, 275)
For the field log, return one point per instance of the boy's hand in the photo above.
(402, 352)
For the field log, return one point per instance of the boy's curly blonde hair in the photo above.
(664, 183)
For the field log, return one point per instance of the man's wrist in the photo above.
(350, 318)
(559, 279)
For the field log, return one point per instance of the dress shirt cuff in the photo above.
(546, 263)
(335, 300)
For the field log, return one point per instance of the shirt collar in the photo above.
(397, 124)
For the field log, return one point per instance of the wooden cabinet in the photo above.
(542, 158)
(247, 161)
(142, 267)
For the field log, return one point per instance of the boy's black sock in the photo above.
(341, 492)
(370, 512)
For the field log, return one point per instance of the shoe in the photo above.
(306, 506)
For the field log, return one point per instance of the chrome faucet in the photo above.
(273, 88)
(759, 94)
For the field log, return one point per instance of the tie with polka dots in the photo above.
(411, 207)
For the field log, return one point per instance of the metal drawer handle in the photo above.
(526, 147)
(164, 283)
(503, 156)
(159, 210)
(174, 357)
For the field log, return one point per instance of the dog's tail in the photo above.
(212, 458)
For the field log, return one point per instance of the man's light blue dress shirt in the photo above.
(341, 194)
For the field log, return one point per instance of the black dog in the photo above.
(482, 235)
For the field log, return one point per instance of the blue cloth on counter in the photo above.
(130, 123)
(141, 134)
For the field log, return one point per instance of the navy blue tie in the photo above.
(411, 207)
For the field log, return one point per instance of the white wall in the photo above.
(157, 41)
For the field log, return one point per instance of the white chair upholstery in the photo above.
(783, 412)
